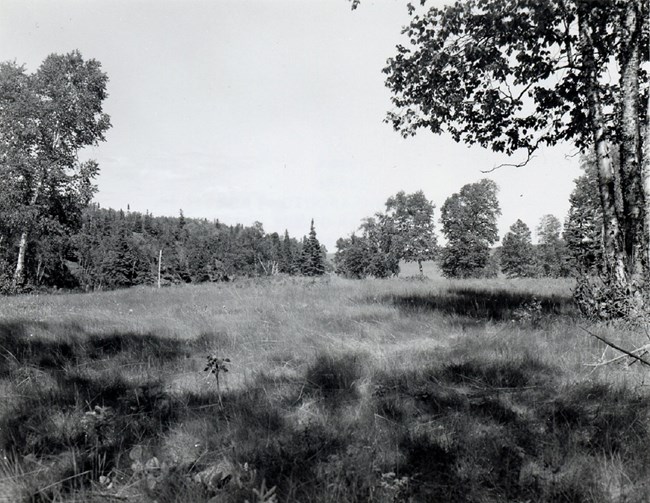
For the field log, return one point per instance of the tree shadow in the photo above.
(70, 344)
(482, 304)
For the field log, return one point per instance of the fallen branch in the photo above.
(643, 350)
(617, 348)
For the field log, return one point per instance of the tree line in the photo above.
(406, 232)
(115, 249)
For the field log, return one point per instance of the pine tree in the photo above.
(313, 263)
(286, 263)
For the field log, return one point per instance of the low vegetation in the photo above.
(336, 390)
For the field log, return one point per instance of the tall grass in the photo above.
(374, 390)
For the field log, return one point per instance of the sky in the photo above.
(264, 110)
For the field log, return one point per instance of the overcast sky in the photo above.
(267, 110)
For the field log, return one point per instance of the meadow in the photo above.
(336, 390)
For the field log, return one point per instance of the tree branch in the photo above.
(529, 157)
(612, 345)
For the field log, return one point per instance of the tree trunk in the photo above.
(420, 267)
(159, 265)
(615, 260)
(631, 176)
(646, 179)
(646, 168)
(19, 274)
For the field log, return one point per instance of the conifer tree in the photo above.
(313, 263)
(287, 258)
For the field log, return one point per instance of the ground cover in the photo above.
(336, 390)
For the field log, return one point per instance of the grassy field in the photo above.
(373, 390)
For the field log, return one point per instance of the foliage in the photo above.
(410, 220)
(46, 118)
(114, 249)
(551, 250)
(352, 258)
(506, 75)
(405, 231)
(517, 253)
(583, 230)
(514, 75)
(469, 222)
(313, 256)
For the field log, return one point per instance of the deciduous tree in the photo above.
(469, 222)
(410, 218)
(517, 254)
(46, 118)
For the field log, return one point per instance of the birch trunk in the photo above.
(646, 179)
(615, 260)
(19, 273)
(632, 183)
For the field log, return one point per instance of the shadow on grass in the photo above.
(483, 305)
(463, 430)
(70, 344)
(505, 429)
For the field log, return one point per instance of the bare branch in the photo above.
(529, 157)
(612, 345)
(643, 350)
(575, 153)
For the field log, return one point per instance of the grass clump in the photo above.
(334, 376)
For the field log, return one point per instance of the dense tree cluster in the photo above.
(50, 234)
(113, 249)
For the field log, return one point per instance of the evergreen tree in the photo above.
(517, 253)
(313, 262)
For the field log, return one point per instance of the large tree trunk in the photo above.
(615, 258)
(631, 174)
(646, 179)
(646, 168)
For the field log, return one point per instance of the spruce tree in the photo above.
(286, 263)
(313, 263)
